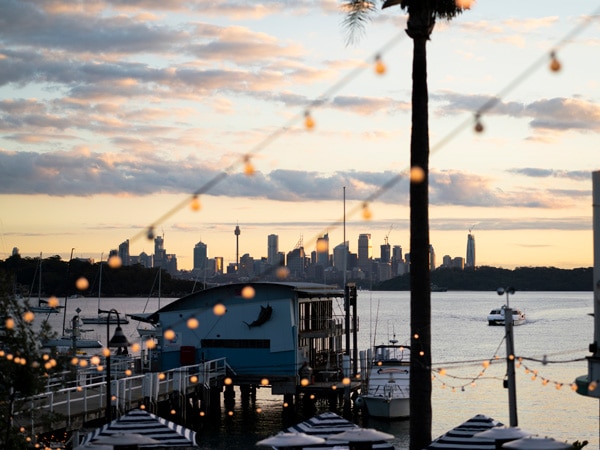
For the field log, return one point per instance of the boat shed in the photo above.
(264, 330)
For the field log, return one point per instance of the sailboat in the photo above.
(42, 305)
(152, 330)
(101, 319)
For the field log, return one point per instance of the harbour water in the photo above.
(558, 331)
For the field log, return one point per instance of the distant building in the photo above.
(200, 256)
(431, 257)
(385, 253)
(124, 253)
(323, 250)
(246, 266)
(145, 260)
(159, 252)
(296, 263)
(340, 257)
(273, 250)
(458, 263)
(364, 252)
(470, 250)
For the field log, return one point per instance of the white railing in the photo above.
(84, 394)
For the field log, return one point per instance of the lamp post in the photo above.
(118, 340)
(510, 357)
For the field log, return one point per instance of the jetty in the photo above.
(77, 398)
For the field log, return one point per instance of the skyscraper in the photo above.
(364, 252)
(160, 254)
(124, 252)
(323, 250)
(340, 257)
(200, 256)
(273, 249)
(470, 250)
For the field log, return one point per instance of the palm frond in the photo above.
(358, 12)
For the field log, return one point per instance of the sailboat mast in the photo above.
(40, 282)
(159, 285)
(100, 283)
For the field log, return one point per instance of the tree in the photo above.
(422, 15)
(21, 372)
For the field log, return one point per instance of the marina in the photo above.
(558, 326)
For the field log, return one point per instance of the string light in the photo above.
(555, 65)
(478, 125)
(195, 203)
(366, 212)
(248, 167)
(380, 68)
(309, 123)
(192, 323)
(82, 283)
(115, 261)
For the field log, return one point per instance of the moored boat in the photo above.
(73, 338)
(497, 316)
(387, 386)
(102, 318)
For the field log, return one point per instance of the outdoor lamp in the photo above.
(119, 340)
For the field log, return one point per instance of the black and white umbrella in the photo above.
(462, 437)
(168, 434)
(327, 425)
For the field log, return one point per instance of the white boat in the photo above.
(496, 316)
(73, 338)
(387, 387)
(101, 319)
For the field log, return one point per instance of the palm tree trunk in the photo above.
(420, 286)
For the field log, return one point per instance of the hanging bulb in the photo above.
(309, 123)
(379, 65)
(150, 233)
(442, 372)
(554, 62)
(248, 167)
(114, 262)
(195, 203)
(478, 125)
(366, 212)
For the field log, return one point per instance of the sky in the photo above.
(114, 114)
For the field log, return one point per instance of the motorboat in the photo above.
(386, 390)
(496, 316)
(73, 338)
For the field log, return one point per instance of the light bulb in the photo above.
(379, 66)
(309, 123)
(554, 63)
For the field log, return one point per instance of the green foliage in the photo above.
(22, 372)
(59, 278)
(579, 445)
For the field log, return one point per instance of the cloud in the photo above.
(555, 114)
(83, 172)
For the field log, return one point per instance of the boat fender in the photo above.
(359, 401)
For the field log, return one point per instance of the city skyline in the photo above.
(113, 115)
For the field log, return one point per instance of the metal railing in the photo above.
(84, 393)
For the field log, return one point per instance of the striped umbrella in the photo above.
(462, 437)
(326, 426)
(168, 434)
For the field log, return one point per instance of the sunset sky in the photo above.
(113, 113)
